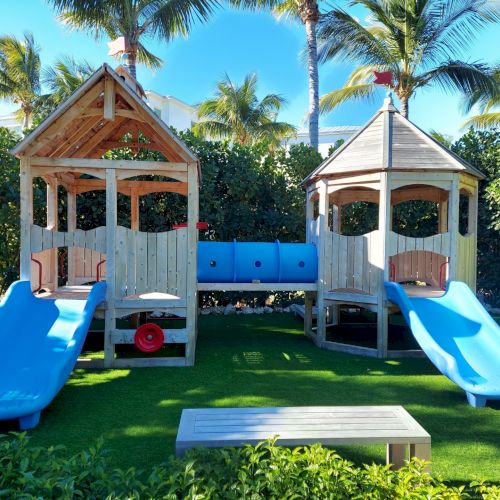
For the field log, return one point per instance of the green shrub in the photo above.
(264, 471)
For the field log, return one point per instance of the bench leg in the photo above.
(396, 455)
(423, 452)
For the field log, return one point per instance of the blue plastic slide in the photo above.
(458, 336)
(40, 340)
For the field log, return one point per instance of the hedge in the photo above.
(265, 471)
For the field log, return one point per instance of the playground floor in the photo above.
(266, 361)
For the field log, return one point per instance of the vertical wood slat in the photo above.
(121, 262)
(131, 262)
(329, 262)
(141, 262)
(162, 262)
(182, 249)
(151, 262)
(359, 269)
(172, 262)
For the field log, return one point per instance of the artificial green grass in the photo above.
(266, 361)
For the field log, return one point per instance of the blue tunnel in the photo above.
(243, 262)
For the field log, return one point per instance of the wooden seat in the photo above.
(295, 426)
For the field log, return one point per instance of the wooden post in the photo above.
(52, 224)
(192, 241)
(323, 229)
(111, 221)
(71, 215)
(134, 210)
(472, 225)
(443, 216)
(384, 211)
(26, 192)
(309, 217)
(453, 213)
(308, 313)
(109, 99)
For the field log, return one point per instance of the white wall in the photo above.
(173, 112)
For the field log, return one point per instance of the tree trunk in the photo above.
(312, 63)
(130, 62)
(27, 117)
(404, 105)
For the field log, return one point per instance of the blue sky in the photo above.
(238, 43)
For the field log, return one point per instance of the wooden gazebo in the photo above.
(143, 271)
(387, 162)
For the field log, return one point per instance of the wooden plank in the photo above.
(36, 234)
(359, 269)
(131, 262)
(162, 262)
(145, 304)
(100, 239)
(91, 163)
(172, 262)
(26, 199)
(88, 147)
(172, 336)
(141, 262)
(111, 223)
(151, 262)
(121, 262)
(342, 281)
(148, 362)
(109, 99)
(257, 287)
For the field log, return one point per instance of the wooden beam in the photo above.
(138, 165)
(26, 194)
(71, 217)
(72, 140)
(60, 123)
(134, 210)
(93, 142)
(125, 113)
(109, 99)
(125, 186)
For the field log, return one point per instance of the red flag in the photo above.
(382, 78)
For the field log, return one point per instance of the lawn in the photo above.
(266, 361)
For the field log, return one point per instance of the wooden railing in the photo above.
(350, 261)
(466, 271)
(439, 243)
(151, 262)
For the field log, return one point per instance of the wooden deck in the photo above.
(295, 426)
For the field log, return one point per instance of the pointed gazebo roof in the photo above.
(390, 142)
(93, 120)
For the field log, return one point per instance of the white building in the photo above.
(11, 122)
(327, 137)
(181, 116)
(172, 111)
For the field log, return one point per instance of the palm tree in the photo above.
(135, 20)
(64, 77)
(306, 11)
(488, 102)
(418, 41)
(20, 73)
(236, 113)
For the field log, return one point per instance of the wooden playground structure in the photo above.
(388, 162)
(143, 271)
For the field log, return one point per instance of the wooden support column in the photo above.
(384, 213)
(453, 213)
(323, 229)
(111, 221)
(109, 99)
(134, 210)
(443, 216)
(192, 242)
(308, 314)
(52, 223)
(309, 217)
(26, 192)
(472, 225)
(71, 215)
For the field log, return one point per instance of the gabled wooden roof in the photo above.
(96, 118)
(390, 142)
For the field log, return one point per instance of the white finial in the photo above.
(388, 103)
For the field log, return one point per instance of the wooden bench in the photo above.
(295, 426)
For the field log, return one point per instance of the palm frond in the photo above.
(330, 101)
(483, 121)
(144, 56)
